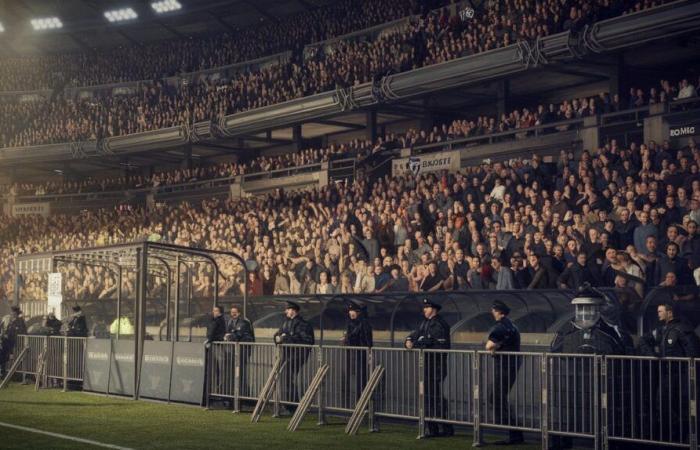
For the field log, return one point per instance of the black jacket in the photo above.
(11, 327)
(575, 275)
(506, 335)
(295, 331)
(358, 333)
(216, 329)
(77, 326)
(53, 326)
(674, 339)
(431, 333)
(240, 330)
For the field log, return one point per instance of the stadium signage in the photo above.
(418, 165)
(127, 357)
(31, 209)
(189, 361)
(160, 359)
(682, 131)
(98, 356)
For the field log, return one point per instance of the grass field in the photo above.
(141, 425)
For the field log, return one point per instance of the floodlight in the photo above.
(164, 6)
(46, 23)
(120, 15)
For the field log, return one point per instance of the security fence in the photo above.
(623, 399)
(63, 357)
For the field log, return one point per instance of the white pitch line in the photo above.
(63, 436)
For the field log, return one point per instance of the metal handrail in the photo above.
(451, 144)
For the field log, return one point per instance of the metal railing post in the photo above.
(600, 403)
(65, 363)
(476, 376)
(278, 385)
(421, 393)
(320, 398)
(209, 361)
(372, 422)
(237, 378)
(544, 408)
(692, 404)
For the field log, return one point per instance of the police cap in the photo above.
(292, 305)
(500, 307)
(427, 303)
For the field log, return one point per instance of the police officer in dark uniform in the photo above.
(77, 325)
(294, 330)
(52, 325)
(504, 337)
(216, 330)
(590, 332)
(433, 333)
(673, 338)
(11, 326)
(239, 329)
(358, 333)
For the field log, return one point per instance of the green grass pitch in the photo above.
(141, 425)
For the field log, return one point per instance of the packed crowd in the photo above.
(179, 176)
(152, 61)
(433, 38)
(623, 217)
(482, 125)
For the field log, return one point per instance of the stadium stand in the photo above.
(430, 39)
(477, 159)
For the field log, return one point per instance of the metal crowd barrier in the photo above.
(613, 399)
(560, 396)
(64, 356)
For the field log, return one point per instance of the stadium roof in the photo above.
(85, 26)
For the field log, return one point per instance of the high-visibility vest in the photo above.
(123, 325)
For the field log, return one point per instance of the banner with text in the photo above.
(30, 209)
(55, 293)
(433, 162)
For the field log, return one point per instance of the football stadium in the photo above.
(316, 224)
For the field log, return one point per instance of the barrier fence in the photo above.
(560, 396)
(64, 356)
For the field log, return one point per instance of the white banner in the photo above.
(30, 209)
(55, 294)
(432, 162)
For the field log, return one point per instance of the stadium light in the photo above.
(46, 23)
(164, 6)
(120, 15)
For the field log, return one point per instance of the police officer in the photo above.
(433, 333)
(216, 329)
(11, 326)
(52, 325)
(77, 325)
(294, 330)
(504, 337)
(239, 329)
(588, 333)
(358, 333)
(672, 338)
